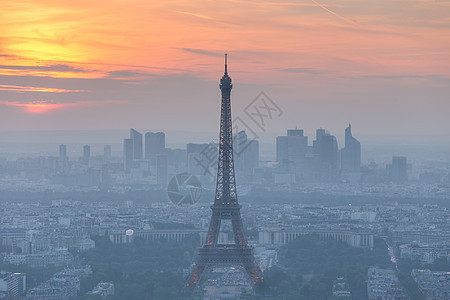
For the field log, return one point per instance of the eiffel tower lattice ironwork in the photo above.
(226, 206)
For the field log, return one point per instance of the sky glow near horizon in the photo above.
(382, 65)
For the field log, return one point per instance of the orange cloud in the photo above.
(27, 67)
(21, 89)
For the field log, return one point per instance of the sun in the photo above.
(40, 106)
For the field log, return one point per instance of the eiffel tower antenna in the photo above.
(226, 64)
(226, 206)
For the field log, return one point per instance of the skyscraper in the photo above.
(127, 154)
(86, 154)
(155, 144)
(62, 152)
(291, 151)
(351, 153)
(12, 284)
(246, 153)
(107, 152)
(136, 137)
(398, 169)
(326, 147)
(320, 133)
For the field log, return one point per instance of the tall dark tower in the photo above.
(226, 206)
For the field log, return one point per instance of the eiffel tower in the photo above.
(225, 207)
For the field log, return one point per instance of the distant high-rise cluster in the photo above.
(142, 156)
(317, 163)
(155, 144)
(146, 160)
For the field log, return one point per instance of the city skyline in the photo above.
(375, 148)
(150, 65)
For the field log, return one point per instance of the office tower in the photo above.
(225, 207)
(398, 169)
(246, 153)
(291, 151)
(127, 154)
(351, 153)
(251, 157)
(63, 160)
(136, 137)
(295, 132)
(325, 146)
(13, 284)
(107, 152)
(155, 144)
(161, 169)
(320, 133)
(86, 154)
(292, 147)
(62, 152)
(282, 150)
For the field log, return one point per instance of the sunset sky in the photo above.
(382, 65)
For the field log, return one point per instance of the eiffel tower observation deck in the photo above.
(225, 207)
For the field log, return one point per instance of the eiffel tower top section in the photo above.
(226, 194)
(225, 81)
